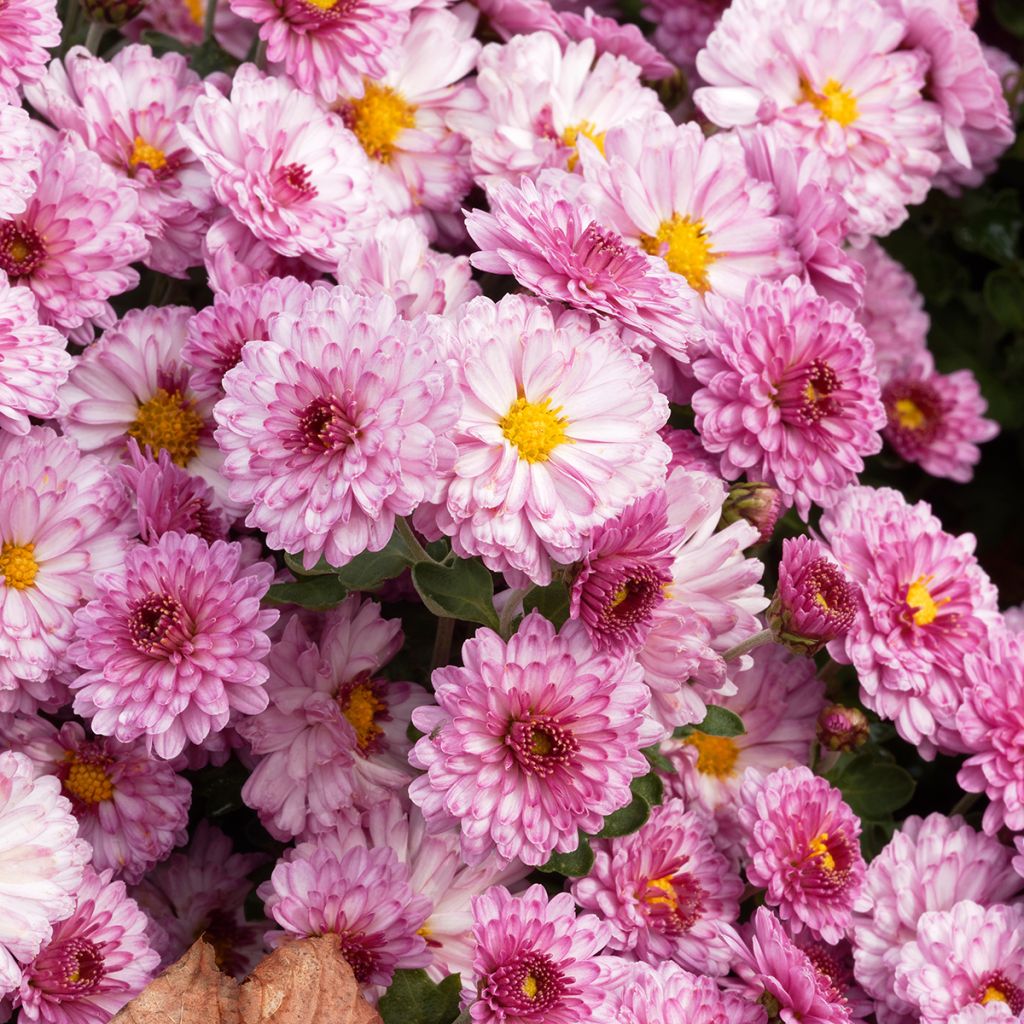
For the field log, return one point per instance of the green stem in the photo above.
(211, 17)
(261, 55)
(965, 803)
(71, 26)
(766, 636)
(416, 549)
(510, 609)
(442, 643)
(94, 36)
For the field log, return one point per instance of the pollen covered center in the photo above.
(571, 135)
(378, 118)
(919, 599)
(818, 850)
(535, 428)
(684, 244)
(361, 704)
(834, 102)
(716, 755)
(909, 414)
(18, 565)
(150, 156)
(87, 781)
(170, 421)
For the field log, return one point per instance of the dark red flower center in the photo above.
(633, 600)
(805, 395)
(358, 955)
(530, 986)
(72, 968)
(826, 585)
(324, 426)
(541, 746)
(996, 987)
(154, 623)
(827, 864)
(915, 412)
(291, 183)
(21, 249)
(673, 902)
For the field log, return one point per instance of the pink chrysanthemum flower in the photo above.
(358, 893)
(402, 119)
(19, 160)
(334, 734)
(302, 189)
(202, 890)
(682, 27)
(924, 604)
(558, 432)
(43, 862)
(534, 960)
(639, 993)
(687, 451)
(29, 28)
(815, 602)
(173, 645)
(135, 383)
(780, 975)
(790, 393)
(539, 101)
(96, 960)
(621, 40)
(185, 20)
(168, 499)
(62, 520)
(553, 244)
(235, 257)
(803, 848)
(509, 18)
(336, 424)
(664, 891)
(967, 954)
(778, 699)
(829, 77)
(397, 259)
(690, 200)
(131, 808)
(127, 111)
(34, 362)
(928, 865)
(215, 335)
(531, 741)
(75, 241)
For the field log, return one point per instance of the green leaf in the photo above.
(412, 998)
(720, 722)
(658, 760)
(572, 865)
(551, 601)
(1011, 16)
(626, 820)
(210, 56)
(648, 787)
(990, 224)
(873, 788)
(322, 568)
(464, 590)
(318, 593)
(372, 568)
(161, 43)
(1004, 296)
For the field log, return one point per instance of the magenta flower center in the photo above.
(291, 183)
(634, 599)
(363, 960)
(604, 255)
(21, 249)
(827, 863)
(155, 624)
(826, 585)
(805, 395)
(674, 902)
(325, 426)
(915, 411)
(541, 746)
(72, 968)
(530, 985)
(995, 987)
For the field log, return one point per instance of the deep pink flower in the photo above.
(29, 29)
(622, 40)
(531, 741)
(185, 21)
(639, 993)
(173, 645)
(19, 160)
(235, 257)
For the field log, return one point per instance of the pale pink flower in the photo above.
(185, 20)
(19, 160)
(28, 28)
(622, 40)
(639, 993)
(235, 257)
(511, 18)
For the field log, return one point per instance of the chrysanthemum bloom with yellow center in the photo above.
(329, 703)
(29, 30)
(924, 592)
(803, 847)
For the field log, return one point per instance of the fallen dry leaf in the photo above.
(303, 982)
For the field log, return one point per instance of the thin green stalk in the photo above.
(416, 549)
(766, 636)
(94, 36)
(442, 652)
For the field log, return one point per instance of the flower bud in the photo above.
(112, 12)
(759, 504)
(842, 729)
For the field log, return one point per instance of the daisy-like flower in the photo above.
(558, 432)
(783, 978)
(43, 862)
(397, 259)
(928, 865)
(131, 808)
(96, 960)
(34, 362)
(202, 890)
(303, 189)
(790, 394)
(553, 244)
(815, 602)
(62, 520)
(19, 160)
(135, 383)
(334, 734)
(803, 848)
(778, 699)
(967, 954)
(216, 334)
(924, 604)
(829, 77)
(173, 645)
(401, 119)
(539, 101)
(75, 241)
(29, 29)
(127, 111)
(336, 424)
(358, 893)
(713, 224)
(235, 257)
(535, 959)
(664, 891)
(681, 27)
(531, 741)
(330, 46)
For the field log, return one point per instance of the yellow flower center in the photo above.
(909, 415)
(834, 102)
(18, 565)
(379, 117)
(196, 11)
(666, 893)
(920, 599)
(89, 782)
(530, 986)
(535, 428)
(19, 250)
(619, 596)
(168, 420)
(993, 995)
(716, 755)
(571, 136)
(362, 705)
(685, 246)
(541, 744)
(144, 153)
(818, 848)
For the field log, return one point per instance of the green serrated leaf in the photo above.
(649, 787)
(657, 760)
(372, 568)
(1004, 296)
(162, 43)
(318, 593)
(873, 788)
(721, 722)
(626, 820)
(572, 865)
(464, 590)
(322, 568)
(551, 601)
(412, 998)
